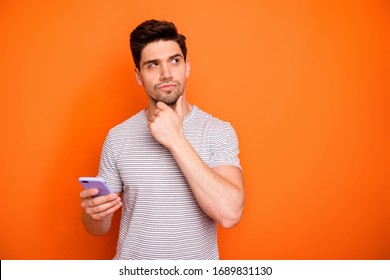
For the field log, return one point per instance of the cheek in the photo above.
(187, 70)
(147, 81)
(150, 83)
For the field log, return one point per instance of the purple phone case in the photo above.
(94, 182)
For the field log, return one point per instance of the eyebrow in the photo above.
(150, 61)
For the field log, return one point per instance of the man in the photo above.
(176, 166)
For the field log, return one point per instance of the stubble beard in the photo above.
(168, 97)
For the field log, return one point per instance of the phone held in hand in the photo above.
(95, 182)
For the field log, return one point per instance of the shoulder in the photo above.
(211, 123)
(137, 121)
(121, 133)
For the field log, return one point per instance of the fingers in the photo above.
(179, 106)
(161, 105)
(155, 114)
(166, 123)
(101, 206)
(104, 213)
(89, 193)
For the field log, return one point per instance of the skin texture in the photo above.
(219, 191)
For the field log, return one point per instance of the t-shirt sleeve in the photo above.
(107, 167)
(225, 147)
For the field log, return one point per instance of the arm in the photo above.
(98, 211)
(219, 191)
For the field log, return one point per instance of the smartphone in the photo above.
(95, 182)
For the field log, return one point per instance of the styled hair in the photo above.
(151, 31)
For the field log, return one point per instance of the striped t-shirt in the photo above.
(160, 216)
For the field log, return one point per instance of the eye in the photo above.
(175, 60)
(152, 65)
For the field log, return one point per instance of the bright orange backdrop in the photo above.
(305, 84)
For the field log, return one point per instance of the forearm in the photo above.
(98, 211)
(96, 227)
(220, 198)
(218, 191)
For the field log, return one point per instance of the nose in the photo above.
(166, 73)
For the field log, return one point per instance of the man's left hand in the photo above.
(166, 124)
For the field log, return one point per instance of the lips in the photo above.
(168, 86)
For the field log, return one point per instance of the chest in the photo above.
(144, 163)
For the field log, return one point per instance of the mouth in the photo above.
(167, 87)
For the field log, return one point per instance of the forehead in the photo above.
(160, 50)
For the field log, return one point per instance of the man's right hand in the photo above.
(98, 208)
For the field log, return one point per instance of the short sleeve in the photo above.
(107, 167)
(224, 147)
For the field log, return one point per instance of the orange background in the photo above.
(305, 84)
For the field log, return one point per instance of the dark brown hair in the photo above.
(151, 31)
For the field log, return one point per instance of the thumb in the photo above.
(179, 106)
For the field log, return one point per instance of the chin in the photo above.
(170, 101)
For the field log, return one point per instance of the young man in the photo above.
(176, 166)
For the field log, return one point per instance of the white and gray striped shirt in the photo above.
(160, 216)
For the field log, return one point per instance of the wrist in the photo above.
(178, 145)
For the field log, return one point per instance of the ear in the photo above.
(188, 66)
(138, 76)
